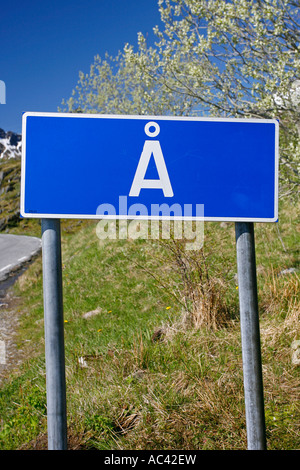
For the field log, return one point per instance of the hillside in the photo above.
(10, 172)
(144, 371)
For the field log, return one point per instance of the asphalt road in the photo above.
(15, 251)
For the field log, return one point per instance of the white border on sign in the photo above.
(149, 217)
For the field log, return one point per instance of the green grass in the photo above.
(184, 391)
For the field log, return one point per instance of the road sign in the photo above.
(95, 166)
(88, 165)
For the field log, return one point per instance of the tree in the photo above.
(232, 58)
(117, 85)
(225, 58)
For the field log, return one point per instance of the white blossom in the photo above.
(213, 58)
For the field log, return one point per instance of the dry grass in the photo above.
(200, 294)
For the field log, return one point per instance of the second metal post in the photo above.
(251, 353)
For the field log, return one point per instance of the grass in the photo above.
(143, 370)
(9, 191)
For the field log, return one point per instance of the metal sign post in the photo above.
(252, 368)
(54, 335)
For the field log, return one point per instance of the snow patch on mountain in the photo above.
(10, 145)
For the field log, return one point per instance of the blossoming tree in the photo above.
(230, 58)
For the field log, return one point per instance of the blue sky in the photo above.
(45, 43)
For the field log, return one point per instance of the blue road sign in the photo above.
(149, 167)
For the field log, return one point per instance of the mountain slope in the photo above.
(10, 145)
(10, 173)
